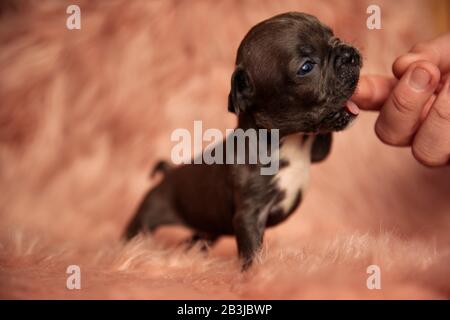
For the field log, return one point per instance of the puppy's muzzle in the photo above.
(346, 56)
(347, 63)
(336, 121)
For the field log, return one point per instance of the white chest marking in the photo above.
(295, 176)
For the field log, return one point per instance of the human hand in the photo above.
(415, 109)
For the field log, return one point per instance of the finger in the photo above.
(431, 144)
(426, 108)
(372, 91)
(400, 116)
(436, 51)
(444, 78)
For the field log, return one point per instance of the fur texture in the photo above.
(85, 113)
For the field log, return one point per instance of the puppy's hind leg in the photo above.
(155, 210)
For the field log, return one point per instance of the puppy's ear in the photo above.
(242, 90)
(321, 147)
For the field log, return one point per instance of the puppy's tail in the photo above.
(161, 166)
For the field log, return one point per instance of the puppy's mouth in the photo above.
(351, 108)
(340, 119)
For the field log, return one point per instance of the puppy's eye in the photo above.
(306, 68)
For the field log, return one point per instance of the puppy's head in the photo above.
(292, 74)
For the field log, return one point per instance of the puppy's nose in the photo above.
(347, 55)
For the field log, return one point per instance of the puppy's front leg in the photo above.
(249, 226)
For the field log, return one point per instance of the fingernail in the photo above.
(420, 78)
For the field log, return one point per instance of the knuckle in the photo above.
(420, 46)
(402, 103)
(427, 50)
(388, 137)
(442, 114)
(425, 156)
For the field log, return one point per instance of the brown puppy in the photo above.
(293, 75)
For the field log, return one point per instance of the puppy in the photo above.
(294, 75)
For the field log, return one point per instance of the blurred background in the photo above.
(84, 115)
